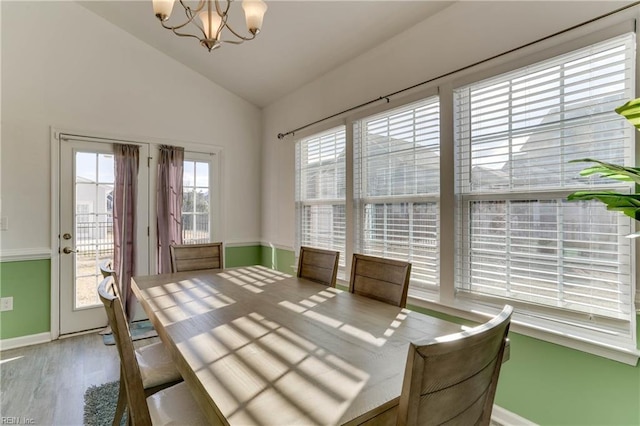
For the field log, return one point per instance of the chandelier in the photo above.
(211, 20)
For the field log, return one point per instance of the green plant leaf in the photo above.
(629, 204)
(631, 111)
(610, 170)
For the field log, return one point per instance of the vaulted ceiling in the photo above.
(300, 40)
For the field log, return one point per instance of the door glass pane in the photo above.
(85, 167)
(106, 169)
(93, 223)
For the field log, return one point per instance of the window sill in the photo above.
(521, 325)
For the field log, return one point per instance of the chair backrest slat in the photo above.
(106, 269)
(318, 265)
(193, 257)
(453, 379)
(383, 279)
(136, 399)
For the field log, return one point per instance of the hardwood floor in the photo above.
(46, 383)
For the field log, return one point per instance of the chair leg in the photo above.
(122, 403)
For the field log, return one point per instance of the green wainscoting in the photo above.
(553, 385)
(242, 256)
(279, 259)
(29, 283)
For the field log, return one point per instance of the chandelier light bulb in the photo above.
(162, 9)
(210, 23)
(254, 11)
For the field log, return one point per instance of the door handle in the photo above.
(68, 250)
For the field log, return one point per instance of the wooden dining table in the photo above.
(260, 347)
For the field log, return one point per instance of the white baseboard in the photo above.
(502, 417)
(18, 342)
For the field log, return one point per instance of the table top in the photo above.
(257, 346)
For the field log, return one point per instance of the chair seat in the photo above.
(175, 406)
(156, 366)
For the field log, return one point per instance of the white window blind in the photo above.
(517, 236)
(321, 192)
(396, 187)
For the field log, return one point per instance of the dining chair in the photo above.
(156, 366)
(193, 257)
(383, 279)
(453, 379)
(171, 405)
(318, 265)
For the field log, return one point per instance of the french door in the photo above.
(86, 227)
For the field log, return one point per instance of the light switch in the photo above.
(4, 223)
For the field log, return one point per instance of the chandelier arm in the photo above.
(173, 28)
(241, 37)
(223, 22)
(192, 14)
(189, 13)
(225, 16)
(232, 41)
(176, 28)
(226, 9)
(201, 5)
(185, 34)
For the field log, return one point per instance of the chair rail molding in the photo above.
(21, 254)
(241, 244)
(277, 246)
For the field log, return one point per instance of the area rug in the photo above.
(139, 330)
(100, 405)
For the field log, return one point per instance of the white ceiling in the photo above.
(300, 40)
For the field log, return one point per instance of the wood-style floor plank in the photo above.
(47, 382)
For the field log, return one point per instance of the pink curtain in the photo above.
(124, 220)
(169, 203)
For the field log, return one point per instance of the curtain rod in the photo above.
(386, 97)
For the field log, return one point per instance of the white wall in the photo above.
(461, 35)
(64, 66)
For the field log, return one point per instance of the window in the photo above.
(397, 180)
(196, 211)
(470, 186)
(320, 192)
(518, 238)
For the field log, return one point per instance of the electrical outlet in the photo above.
(6, 304)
